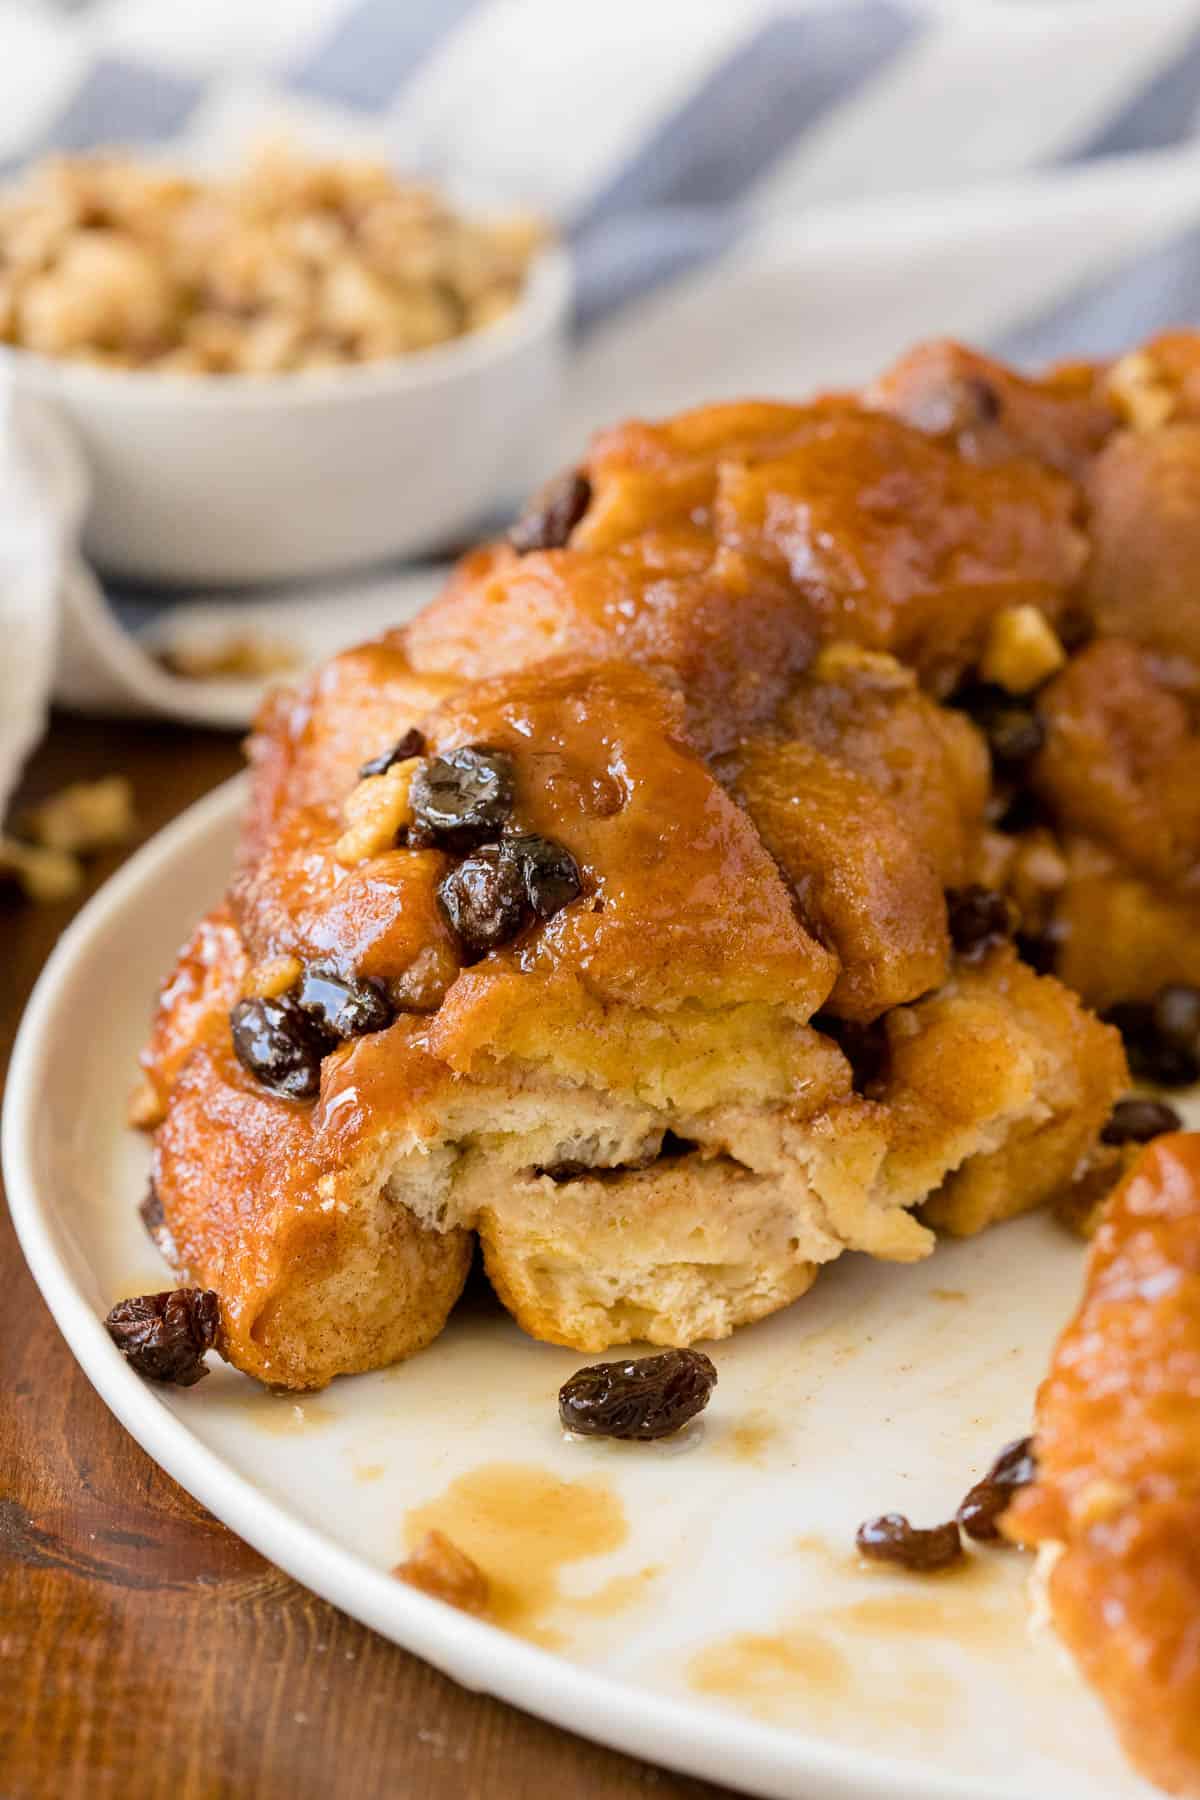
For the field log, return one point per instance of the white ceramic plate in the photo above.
(695, 1602)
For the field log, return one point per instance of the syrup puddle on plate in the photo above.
(522, 1525)
(818, 1666)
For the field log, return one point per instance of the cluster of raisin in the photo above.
(924, 1550)
(282, 1041)
(462, 802)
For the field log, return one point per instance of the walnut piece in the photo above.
(44, 875)
(438, 1567)
(1140, 391)
(1022, 650)
(267, 980)
(375, 813)
(841, 661)
(237, 656)
(289, 265)
(85, 817)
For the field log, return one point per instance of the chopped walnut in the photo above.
(438, 1567)
(1140, 391)
(1022, 650)
(843, 661)
(376, 812)
(44, 875)
(237, 656)
(267, 980)
(145, 1110)
(290, 265)
(82, 818)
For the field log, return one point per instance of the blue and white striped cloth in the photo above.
(760, 196)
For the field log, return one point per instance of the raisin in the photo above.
(151, 1213)
(548, 870)
(560, 1173)
(891, 1539)
(164, 1336)
(344, 1006)
(1012, 727)
(1040, 948)
(979, 917)
(460, 799)
(411, 744)
(641, 1400)
(484, 900)
(1136, 1121)
(1021, 811)
(983, 403)
(1014, 1468)
(553, 513)
(281, 1045)
(1162, 1036)
(1177, 1014)
(864, 1044)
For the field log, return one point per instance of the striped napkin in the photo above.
(759, 197)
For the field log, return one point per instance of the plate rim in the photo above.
(694, 1738)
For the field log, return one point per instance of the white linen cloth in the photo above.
(760, 198)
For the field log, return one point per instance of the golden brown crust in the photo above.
(720, 695)
(1118, 1488)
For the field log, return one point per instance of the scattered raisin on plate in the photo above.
(552, 513)
(164, 1336)
(1136, 1120)
(411, 744)
(461, 798)
(1013, 1469)
(892, 1539)
(645, 1399)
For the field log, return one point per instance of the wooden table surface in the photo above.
(144, 1650)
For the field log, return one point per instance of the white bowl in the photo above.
(215, 479)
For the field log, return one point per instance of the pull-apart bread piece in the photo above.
(602, 913)
(1096, 737)
(1115, 1509)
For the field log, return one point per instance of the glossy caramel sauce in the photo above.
(522, 1526)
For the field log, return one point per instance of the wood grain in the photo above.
(144, 1650)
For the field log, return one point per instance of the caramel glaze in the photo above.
(1118, 1448)
(764, 833)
